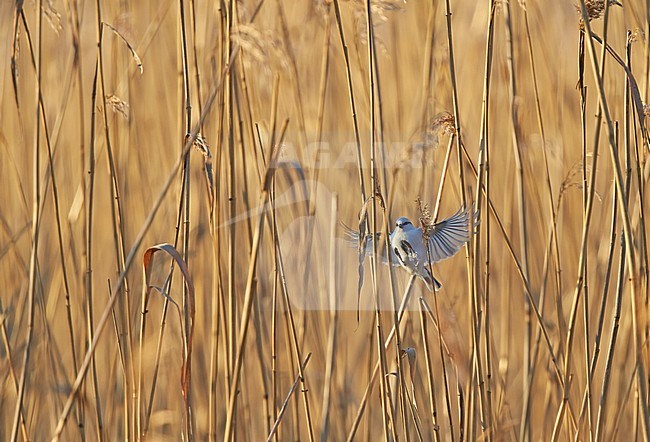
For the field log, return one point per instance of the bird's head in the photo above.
(403, 223)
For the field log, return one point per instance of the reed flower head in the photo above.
(595, 9)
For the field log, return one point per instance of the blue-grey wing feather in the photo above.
(352, 237)
(447, 237)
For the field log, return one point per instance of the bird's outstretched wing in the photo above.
(448, 236)
(352, 237)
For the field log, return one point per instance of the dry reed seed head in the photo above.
(429, 137)
(379, 9)
(443, 123)
(201, 145)
(118, 105)
(52, 16)
(595, 9)
(646, 113)
(498, 5)
(265, 47)
(646, 110)
(574, 178)
(16, 48)
(425, 216)
(635, 35)
(322, 7)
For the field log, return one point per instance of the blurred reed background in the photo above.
(173, 174)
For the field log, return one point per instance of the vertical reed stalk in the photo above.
(473, 258)
(630, 253)
(248, 301)
(525, 433)
(332, 342)
(33, 262)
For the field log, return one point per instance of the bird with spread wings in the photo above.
(408, 247)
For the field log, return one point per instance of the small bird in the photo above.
(408, 247)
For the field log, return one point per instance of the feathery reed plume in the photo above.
(428, 137)
(573, 178)
(426, 218)
(265, 47)
(118, 105)
(646, 110)
(443, 124)
(322, 7)
(379, 9)
(201, 145)
(595, 9)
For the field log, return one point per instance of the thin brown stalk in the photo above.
(50, 140)
(598, 73)
(12, 369)
(617, 310)
(430, 379)
(291, 325)
(283, 408)
(248, 302)
(364, 400)
(375, 103)
(143, 426)
(553, 231)
(525, 433)
(353, 107)
(36, 198)
(189, 432)
(442, 347)
(630, 253)
(547, 174)
(459, 140)
(232, 206)
(600, 424)
(473, 257)
(332, 342)
(219, 291)
(523, 278)
(104, 319)
(274, 311)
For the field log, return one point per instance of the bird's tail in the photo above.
(430, 281)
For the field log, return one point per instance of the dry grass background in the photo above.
(87, 188)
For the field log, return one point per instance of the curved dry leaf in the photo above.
(147, 260)
(134, 54)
